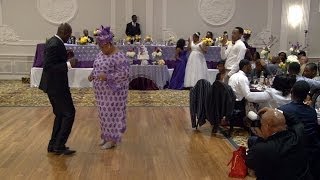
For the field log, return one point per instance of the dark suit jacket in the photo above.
(280, 156)
(220, 102)
(133, 30)
(54, 78)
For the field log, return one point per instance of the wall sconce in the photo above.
(295, 15)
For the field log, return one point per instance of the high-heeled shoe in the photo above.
(102, 142)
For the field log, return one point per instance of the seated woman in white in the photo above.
(280, 91)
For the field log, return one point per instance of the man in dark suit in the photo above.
(278, 152)
(54, 82)
(133, 28)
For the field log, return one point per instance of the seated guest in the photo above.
(301, 53)
(86, 34)
(311, 71)
(222, 70)
(273, 67)
(280, 91)
(278, 152)
(283, 57)
(294, 70)
(308, 116)
(260, 66)
(240, 85)
(133, 28)
(303, 61)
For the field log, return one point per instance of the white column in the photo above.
(149, 17)
(164, 17)
(270, 8)
(129, 10)
(113, 15)
(1, 13)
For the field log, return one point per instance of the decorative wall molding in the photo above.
(57, 11)
(260, 40)
(15, 66)
(7, 34)
(216, 12)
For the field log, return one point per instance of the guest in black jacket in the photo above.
(133, 28)
(279, 152)
(54, 82)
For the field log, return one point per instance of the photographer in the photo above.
(278, 152)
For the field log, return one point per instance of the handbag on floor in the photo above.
(238, 165)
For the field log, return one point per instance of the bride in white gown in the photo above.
(196, 68)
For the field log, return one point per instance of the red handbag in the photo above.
(238, 164)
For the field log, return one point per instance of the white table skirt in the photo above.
(78, 77)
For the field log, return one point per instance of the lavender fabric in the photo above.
(111, 95)
(86, 54)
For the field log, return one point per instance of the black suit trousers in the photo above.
(64, 111)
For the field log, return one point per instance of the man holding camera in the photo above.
(278, 152)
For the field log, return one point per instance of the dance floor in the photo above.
(158, 144)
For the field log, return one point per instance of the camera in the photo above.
(254, 119)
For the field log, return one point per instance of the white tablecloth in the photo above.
(78, 77)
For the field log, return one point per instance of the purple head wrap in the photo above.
(104, 36)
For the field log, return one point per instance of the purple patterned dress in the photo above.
(111, 95)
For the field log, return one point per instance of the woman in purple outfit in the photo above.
(110, 76)
(177, 79)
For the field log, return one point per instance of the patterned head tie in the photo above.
(104, 36)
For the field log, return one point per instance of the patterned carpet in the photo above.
(18, 94)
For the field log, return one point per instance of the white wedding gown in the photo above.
(196, 68)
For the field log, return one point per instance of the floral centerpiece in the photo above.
(267, 49)
(294, 50)
(157, 53)
(131, 54)
(83, 40)
(148, 39)
(161, 62)
(207, 41)
(171, 40)
(96, 32)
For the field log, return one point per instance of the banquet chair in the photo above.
(198, 97)
(220, 103)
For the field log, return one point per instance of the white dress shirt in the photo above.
(240, 86)
(134, 24)
(68, 63)
(277, 99)
(233, 54)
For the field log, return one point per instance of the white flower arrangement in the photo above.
(157, 53)
(130, 54)
(292, 58)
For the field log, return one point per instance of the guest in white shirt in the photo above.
(233, 53)
(311, 71)
(280, 91)
(240, 85)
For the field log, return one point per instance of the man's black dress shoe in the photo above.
(64, 152)
(50, 149)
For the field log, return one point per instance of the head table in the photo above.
(86, 54)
